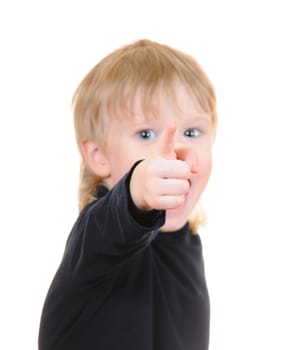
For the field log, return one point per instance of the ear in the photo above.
(95, 158)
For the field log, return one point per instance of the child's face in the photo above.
(132, 140)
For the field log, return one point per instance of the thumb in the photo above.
(167, 142)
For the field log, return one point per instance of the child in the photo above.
(132, 275)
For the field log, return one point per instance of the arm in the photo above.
(109, 231)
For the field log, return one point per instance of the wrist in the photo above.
(136, 188)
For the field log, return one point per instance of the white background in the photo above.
(46, 49)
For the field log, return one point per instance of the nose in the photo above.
(187, 154)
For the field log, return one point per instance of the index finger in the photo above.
(167, 142)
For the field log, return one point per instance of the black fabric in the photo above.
(123, 285)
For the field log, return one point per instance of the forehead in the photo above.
(175, 101)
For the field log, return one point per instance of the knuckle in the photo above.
(176, 201)
(185, 186)
(181, 186)
(186, 170)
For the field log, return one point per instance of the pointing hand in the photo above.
(161, 181)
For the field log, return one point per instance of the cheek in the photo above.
(122, 163)
(204, 171)
(207, 168)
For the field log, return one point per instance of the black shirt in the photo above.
(122, 285)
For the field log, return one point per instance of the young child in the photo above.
(132, 274)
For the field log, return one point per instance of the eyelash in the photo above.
(144, 134)
(192, 132)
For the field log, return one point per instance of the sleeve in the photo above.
(109, 231)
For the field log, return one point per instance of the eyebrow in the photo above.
(203, 118)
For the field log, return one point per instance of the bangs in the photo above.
(124, 104)
(148, 71)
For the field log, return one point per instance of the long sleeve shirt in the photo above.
(123, 285)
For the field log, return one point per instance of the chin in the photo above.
(172, 224)
(178, 217)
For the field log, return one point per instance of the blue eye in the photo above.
(146, 134)
(192, 132)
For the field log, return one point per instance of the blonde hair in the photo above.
(109, 90)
